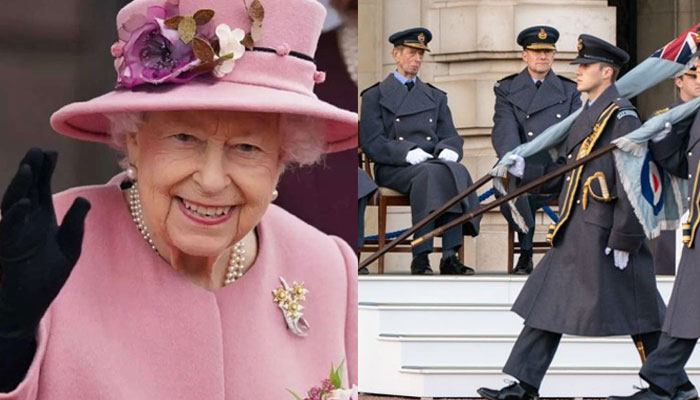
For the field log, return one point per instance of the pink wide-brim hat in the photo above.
(261, 81)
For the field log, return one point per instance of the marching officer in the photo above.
(527, 103)
(664, 370)
(664, 246)
(598, 278)
(406, 128)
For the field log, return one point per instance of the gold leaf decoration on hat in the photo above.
(542, 35)
(247, 41)
(187, 28)
(173, 22)
(203, 16)
(202, 50)
(256, 13)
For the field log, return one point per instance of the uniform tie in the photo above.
(538, 84)
(409, 85)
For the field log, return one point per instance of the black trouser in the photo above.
(534, 350)
(665, 367)
(451, 240)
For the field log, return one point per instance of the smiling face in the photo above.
(205, 177)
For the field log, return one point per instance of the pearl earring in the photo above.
(275, 193)
(131, 172)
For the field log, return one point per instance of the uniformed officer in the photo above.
(664, 370)
(406, 128)
(527, 103)
(598, 278)
(664, 246)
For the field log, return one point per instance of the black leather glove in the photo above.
(36, 258)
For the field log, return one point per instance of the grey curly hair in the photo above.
(302, 142)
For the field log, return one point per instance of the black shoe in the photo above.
(452, 266)
(524, 265)
(511, 392)
(691, 394)
(644, 394)
(363, 271)
(420, 265)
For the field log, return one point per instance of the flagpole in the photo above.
(524, 189)
(429, 218)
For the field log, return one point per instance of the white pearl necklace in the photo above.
(236, 261)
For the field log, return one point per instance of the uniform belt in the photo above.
(690, 228)
(587, 146)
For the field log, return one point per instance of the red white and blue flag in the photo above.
(680, 49)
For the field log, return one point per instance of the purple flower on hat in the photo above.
(163, 46)
(151, 52)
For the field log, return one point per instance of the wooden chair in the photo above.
(514, 246)
(383, 199)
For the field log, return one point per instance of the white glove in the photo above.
(662, 135)
(621, 257)
(448, 155)
(417, 156)
(518, 168)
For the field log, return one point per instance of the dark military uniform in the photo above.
(522, 112)
(680, 155)
(576, 289)
(664, 246)
(394, 121)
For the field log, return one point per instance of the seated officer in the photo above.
(527, 103)
(406, 128)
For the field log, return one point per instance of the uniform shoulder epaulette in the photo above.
(363, 92)
(563, 78)
(661, 111)
(626, 108)
(505, 78)
(436, 88)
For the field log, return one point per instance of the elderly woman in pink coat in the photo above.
(178, 279)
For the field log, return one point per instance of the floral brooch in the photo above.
(289, 300)
(163, 46)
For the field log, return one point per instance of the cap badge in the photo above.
(580, 45)
(542, 35)
(421, 38)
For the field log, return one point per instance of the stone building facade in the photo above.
(474, 46)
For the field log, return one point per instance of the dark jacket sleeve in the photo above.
(626, 232)
(537, 169)
(448, 138)
(505, 135)
(374, 140)
(670, 151)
